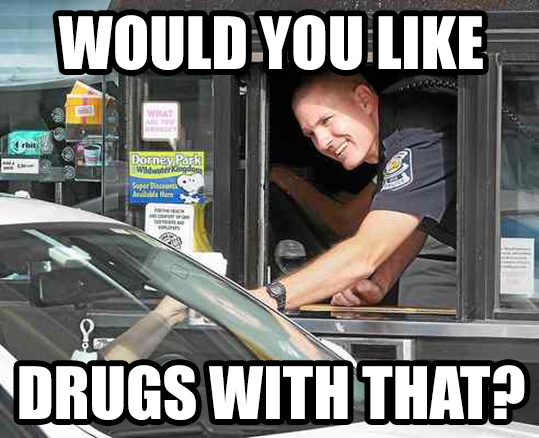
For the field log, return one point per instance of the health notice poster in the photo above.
(172, 224)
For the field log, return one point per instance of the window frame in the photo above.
(511, 39)
(478, 162)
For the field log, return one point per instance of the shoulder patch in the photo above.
(398, 171)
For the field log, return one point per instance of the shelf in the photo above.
(114, 172)
(94, 139)
(55, 174)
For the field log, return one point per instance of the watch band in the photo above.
(277, 291)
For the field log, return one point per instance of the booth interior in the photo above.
(289, 148)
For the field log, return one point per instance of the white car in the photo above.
(363, 430)
(61, 266)
(11, 430)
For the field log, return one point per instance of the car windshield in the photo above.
(55, 276)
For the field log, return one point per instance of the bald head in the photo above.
(328, 80)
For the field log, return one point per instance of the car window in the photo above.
(59, 281)
(99, 269)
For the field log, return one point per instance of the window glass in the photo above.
(519, 187)
(47, 120)
(51, 141)
(93, 268)
(137, 149)
(169, 153)
(27, 45)
(141, 298)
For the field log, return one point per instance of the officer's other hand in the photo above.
(363, 293)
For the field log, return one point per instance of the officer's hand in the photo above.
(363, 293)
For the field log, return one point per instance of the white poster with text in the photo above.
(20, 165)
(160, 121)
(517, 274)
(172, 224)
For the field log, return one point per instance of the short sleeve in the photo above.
(418, 173)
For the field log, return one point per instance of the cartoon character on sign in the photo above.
(191, 187)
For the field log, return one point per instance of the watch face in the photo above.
(276, 290)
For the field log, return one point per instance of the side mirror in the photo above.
(289, 255)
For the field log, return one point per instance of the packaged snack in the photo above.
(29, 143)
(83, 109)
(81, 88)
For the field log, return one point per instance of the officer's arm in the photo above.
(343, 219)
(354, 259)
(387, 275)
(372, 291)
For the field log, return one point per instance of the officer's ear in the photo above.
(365, 97)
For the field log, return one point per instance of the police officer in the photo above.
(409, 133)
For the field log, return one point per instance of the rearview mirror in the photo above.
(58, 287)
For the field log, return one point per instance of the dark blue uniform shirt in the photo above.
(417, 175)
(418, 155)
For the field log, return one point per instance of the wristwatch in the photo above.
(277, 291)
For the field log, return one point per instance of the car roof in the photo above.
(16, 210)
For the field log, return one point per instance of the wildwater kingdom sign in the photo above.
(166, 177)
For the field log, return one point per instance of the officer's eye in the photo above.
(326, 120)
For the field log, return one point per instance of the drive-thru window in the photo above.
(188, 158)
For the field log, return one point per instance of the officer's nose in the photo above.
(322, 140)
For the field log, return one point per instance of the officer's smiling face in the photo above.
(342, 122)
